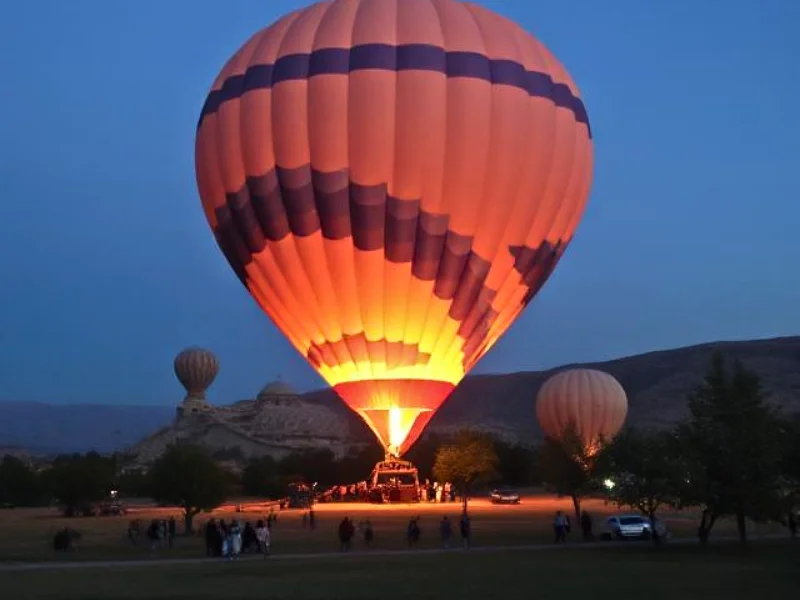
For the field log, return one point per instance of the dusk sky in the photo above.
(109, 268)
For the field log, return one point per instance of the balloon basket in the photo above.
(394, 481)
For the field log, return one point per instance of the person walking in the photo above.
(465, 525)
(560, 527)
(445, 532)
(346, 531)
(171, 530)
(263, 537)
(368, 534)
(586, 526)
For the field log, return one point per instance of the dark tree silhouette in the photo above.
(568, 468)
(188, 477)
(468, 461)
(731, 448)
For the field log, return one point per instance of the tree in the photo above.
(186, 476)
(731, 449)
(19, 484)
(134, 483)
(790, 475)
(468, 461)
(568, 468)
(423, 453)
(358, 464)
(518, 464)
(260, 477)
(78, 481)
(312, 466)
(645, 471)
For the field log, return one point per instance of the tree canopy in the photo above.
(644, 470)
(78, 481)
(19, 485)
(731, 448)
(188, 477)
(470, 459)
(568, 468)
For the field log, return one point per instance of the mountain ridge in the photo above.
(657, 383)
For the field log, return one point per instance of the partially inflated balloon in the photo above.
(593, 402)
(393, 181)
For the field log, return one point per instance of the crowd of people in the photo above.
(429, 491)
(562, 526)
(232, 539)
(159, 532)
(347, 532)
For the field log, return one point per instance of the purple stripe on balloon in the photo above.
(302, 202)
(400, 229)
(367, 215)
(408, 57)
(332, 193)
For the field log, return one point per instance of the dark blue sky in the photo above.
(108, 266)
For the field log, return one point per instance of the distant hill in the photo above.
(52, 428)
(657, 384)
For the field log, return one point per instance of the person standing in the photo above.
(586, 526)
(345, 534)
(445, 531)
(171, 530)
(465, 526)
(368, 534)
(263, 537)
(560, 527)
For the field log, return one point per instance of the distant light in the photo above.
(609, 483)
(114, 493)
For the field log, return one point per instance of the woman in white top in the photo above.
(262, 535)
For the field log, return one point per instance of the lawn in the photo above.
(769, 570)
(26, 535)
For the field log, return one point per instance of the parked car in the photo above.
(504, 497)
(631, 527)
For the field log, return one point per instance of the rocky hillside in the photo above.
(657, 384)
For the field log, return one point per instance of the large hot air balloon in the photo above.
(592, 401)
(196, 369)
(393, 181)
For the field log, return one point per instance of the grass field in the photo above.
(763, 570)
(26, 535)
(767, 569)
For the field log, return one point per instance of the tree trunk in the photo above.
(741, 525)
(466, 496)
(706, 523)
(576, 503)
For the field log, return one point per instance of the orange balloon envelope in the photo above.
(592, 401)
(393, 181)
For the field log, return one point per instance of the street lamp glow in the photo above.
(609, 484)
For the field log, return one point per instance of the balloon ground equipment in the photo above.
(394, 480)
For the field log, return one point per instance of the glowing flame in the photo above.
(401, 420)
(396, 433)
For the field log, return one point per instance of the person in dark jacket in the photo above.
(171, 531)
(586, 526)
(346, 531)
(465, 526)
(445, 531)
(213, 542)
